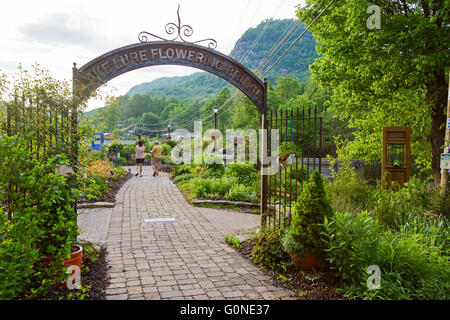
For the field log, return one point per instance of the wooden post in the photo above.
(444, 173)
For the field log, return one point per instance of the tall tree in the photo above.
(111, 112)
(385, 74)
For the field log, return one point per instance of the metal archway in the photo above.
(135, 56)
(169, 52)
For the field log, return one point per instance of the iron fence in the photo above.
(300, 152)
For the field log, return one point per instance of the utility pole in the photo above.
(444, 172)
(215, 109)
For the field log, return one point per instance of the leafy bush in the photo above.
(96, 177)
(167, 160)
(201, 188)
(36, 217)
(413, 260)
(349, 193)
(18, 255)
(215, 170)
(166, 148)
(129, 151)
(222, 185)
(232, 240)
(269, 253)
(98, 168)
(288, 148)
(123, 161)
(200, 171)
(308, 213)
(240, 192)
(184, 177)
(416, 198)
(352, 243)
(182, 169)
(95, 155)
(244, 173)
(211, 187)
(116, 146)
(171, 143)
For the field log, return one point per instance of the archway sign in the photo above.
(171, 52)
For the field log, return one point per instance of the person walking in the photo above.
(140, 156)
(156, 157)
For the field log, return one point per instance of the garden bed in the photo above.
(94, 278)
(218, 204)
(307, 285)
(110, 196)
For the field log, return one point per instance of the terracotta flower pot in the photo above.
(308, 263)
(76, 259)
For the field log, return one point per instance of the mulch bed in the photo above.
(307, 285)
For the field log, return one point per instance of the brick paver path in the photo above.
(183, 259)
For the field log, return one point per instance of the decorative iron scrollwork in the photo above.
(180, 31)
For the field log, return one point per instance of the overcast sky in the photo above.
(57, 33)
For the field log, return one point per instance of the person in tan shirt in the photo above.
(156, 157)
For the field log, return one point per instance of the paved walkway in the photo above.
(182, 259)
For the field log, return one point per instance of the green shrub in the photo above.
(122, 161)
(288, 148)
(232, 240)
(269, 253)
(416, 198)
(349, 193)
(308, 214)
(171, 143)
(18, 255)
(240, 192)
(200, 171)
(211, 187)
(116, 146)
(215, 170)
(222, 185)
(352, 242)
(244, 173)
(129, 151)
(182, 169)
(413, 260)
(166, 148)
(183, 178)
(36, 217)
(95, 155)
(167, 160)
(201, 188)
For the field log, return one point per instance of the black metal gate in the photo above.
(300, 135)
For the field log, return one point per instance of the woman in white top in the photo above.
(140, 156)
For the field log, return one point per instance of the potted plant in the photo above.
(302, 239)
(57, 221)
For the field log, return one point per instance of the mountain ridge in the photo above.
(202, 85)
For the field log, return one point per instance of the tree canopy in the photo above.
(394, 75)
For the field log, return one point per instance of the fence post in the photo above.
(444, 174)
(73, 156)
(263, 146)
